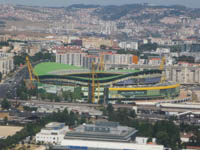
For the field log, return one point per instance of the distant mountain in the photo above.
(81, 6)
(113, 12)
(137, 12)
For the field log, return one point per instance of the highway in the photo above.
(9, 86)
(3, 89)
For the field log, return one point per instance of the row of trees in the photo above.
(5, 104)
(166, 132)
(69, 96)
(148, 47)
(31, 129)
(21, 59)
(184, 58)
(133, 52)
(24, 94)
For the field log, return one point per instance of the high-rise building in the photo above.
(6, 63)
(82, 59)
(75, 59)
(71, 55)
(118, 59)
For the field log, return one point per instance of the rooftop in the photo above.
(54, 125)
(103, 131)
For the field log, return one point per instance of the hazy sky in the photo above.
(188, 3)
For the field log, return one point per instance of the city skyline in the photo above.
(59, 3)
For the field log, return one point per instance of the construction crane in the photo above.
(93, 82)
(32, 75)
(162, 68)
(101, 66)
(162, 65)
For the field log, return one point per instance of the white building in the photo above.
(103, 136)
(129, 45)
(100, 145)
(70, 58)
(154, 61)
(124, 59)
(6, 63)
(52, 133)
(143, 140)
(163, 50)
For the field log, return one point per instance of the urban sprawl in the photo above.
(97, 77)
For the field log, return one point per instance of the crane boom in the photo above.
(32, 75)
(162, 67)
(93, 82)
(101, 66)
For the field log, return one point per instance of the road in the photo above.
(129, 106)
(3, 89)
(9, 86)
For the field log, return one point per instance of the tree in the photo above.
(175, 48)
(133, 114)
(57, 98)
(5, 104)
(103, 46)
(148, 47)
(77, 93)
(83, 120)
(20, 59)
(162, 138)
(195, 139)
(161, 128)
(110, 109)
(149, 140)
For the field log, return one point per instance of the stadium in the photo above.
(112, 85)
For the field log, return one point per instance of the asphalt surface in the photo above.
(3, 90)
(9, 86)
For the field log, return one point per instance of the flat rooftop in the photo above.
(103, 131)
(67, 144)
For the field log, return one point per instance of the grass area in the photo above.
(47, 67)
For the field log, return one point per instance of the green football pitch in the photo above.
(47, 67)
